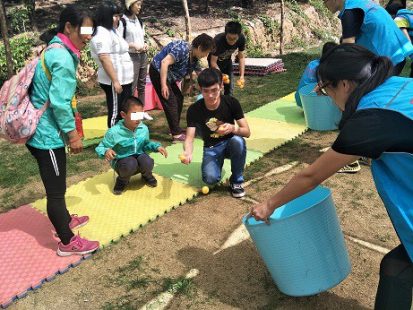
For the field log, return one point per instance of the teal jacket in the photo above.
(126, 142)
(58, 117)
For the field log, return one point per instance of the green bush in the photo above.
(19, 19)
(21, 50)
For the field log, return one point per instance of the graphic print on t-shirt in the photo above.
(213, 125)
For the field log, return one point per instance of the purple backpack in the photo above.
(18, 116)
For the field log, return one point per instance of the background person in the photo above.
(377, 123)
(226, 44)
(132, 30)
(366, 23)
(57, 124)
(111, 53)
(173, 63)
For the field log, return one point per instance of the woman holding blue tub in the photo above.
(377, 123)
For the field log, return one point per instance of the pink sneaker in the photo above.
(77, 246)
(78, 221)
(75, 223)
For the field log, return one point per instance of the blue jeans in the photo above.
(213, 159)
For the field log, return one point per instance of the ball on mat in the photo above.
(205, 190)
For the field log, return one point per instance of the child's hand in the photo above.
(163, 151)
(110, 155)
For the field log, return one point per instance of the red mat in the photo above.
(28, 253)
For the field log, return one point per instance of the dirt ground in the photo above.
(128, 274)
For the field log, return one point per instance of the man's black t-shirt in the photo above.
(224, 51)
(371, 132)
(206, 121)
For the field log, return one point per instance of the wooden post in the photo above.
(282, 28)
(4, 33)
(187, 20)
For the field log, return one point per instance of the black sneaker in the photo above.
(237, 190)
(151, 181)
(119, 186)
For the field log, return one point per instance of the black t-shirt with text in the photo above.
(224, 51)
(371, 132)
(207, 122)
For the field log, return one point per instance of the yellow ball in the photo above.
(205, 190)
(182, 157)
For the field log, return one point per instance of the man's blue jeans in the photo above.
(213, 159)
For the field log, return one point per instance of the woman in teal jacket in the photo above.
(377, 123)
(55, 85)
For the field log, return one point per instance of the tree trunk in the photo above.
(187, 20)
(282, 28)
(4, 33)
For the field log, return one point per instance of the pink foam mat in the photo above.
(28, 253)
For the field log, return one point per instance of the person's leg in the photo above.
(109, 102)
(52, 167)
(399, 68)
(145, 167)
(236, 151)
(126, 167)
(170, 105)
(119, 99)
(135, 61)
(141, 76)
(396, 281)
(179, 103)
(212, 162)
(226, 69)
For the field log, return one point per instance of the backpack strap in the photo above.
(45, 69)
(123, 20)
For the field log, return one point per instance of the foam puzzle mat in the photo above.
(28, 253)
(27, 245)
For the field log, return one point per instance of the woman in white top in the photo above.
(115, 69)
(133, 31)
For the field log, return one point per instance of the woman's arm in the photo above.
(165, 63)
(110, 71)
(304, 181)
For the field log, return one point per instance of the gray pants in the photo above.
(140, 69)
(129, 166)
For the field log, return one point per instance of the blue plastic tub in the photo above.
(320, 111)
(303, 247)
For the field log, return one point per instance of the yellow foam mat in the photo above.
(94, 127)
(268, 134)
(114, 216)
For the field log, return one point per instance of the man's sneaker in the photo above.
(237, 190)
(365, 161)
(78, 221)
(120, 186)
(350, 168)
(77, 246)
(151, 181)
